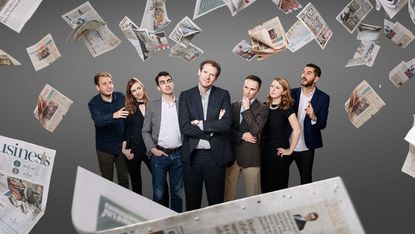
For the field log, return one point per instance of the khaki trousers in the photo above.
(251, 179)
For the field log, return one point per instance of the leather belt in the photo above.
(168, 150)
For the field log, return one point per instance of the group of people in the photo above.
(201, 138)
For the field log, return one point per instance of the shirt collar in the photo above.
(205, 94)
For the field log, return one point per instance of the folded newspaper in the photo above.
(155, 15)
(203, 7)
(188, 53)
(7, 60)
(51, 107)
(391, 7)
(235, 6)
(43, 53)
(25, 172)
(363, 103)
(99, 204)
(354, 13)
(368, 33)
(397, 33)
(365, 55)
(319, 207)
(15, 13)
(315, 24)
(98, 38)
(409, 164)
(244, 50)
(184, 31)
(268, 38)
(288, 6)
(402, 73)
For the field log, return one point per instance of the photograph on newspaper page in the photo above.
(155, 15)
(203, 7)
(368, 33)
(98, 41)
(25, 172)
(188, 53)
(365, 55)
(402, 73)
(409, 164)
(244, 50)
(43, 53)
(235, 6)
(298, 36)
(391, 7)
(51, 107)
(7, 60)
(397, 33)
(288, 6)
(99, 204)
(184, 31)
(15, 13)
(411, 8)
(363, 103)
(354, 13)
(315, 24)
(319, 207)
(161, 41)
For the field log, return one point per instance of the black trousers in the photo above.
(203, 169)
(134, 169)
(275, 171)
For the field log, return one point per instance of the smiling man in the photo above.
(205, 121)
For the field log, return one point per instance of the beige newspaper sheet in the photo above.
(155, 15)
(315, 24)
(365, 55)
(189, 53)
(99, 204)
(51, 107)
(7, 60)
(15, 13)
(363, 103)
(244, 50)
(43, 53)
(409, 164)
(320, 207)
(402, 73)
(397, 33)
(203, 7)
(25, 172)
(98, 41)
(354, 13)
(235, 6)
(268, 38)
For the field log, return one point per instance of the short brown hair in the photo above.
(214, 64)
(99, 74)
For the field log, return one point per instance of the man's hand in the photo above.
(157, 152)
(245, 103)
(221, 113)
(121, 113)
(310, 112)
(247, 136)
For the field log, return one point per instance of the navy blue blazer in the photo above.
(320, 103)
(190, 108)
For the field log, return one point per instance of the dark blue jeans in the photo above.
(172, 164)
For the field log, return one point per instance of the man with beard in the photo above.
(312, 108)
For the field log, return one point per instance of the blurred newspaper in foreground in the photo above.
(402, 73)
(320, 207)
(25, 172)
(99, 204)
(51, 107)
(7, 60)
(363, 103)
(98, 39)
(15, 13)
(409, 164)
(43, 53)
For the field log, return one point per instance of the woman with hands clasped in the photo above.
(277, 145)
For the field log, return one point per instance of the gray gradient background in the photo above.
(368, 159)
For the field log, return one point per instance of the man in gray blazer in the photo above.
(162, 137)
(248, 119)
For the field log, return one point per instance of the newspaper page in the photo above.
(188, 53)
(99, 204)
(365, 55)
(368, 33)
(268, 38)
(315, 24)
(288, 6)
(51, 107)
(409, 164)
(155, 15)
(184, 31)
(43, 53)
(298, 36)
(25, 172)
(161, 42)
(97, 41)
(411, 8)
(7, 60)
(391, 7)
(398, 33)
(82, 29)
(203, 7)
(402, 73)
(354, 13)
(363, 103)
(244, 50)
(319, 207)
(15, 13)
(235, 6)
